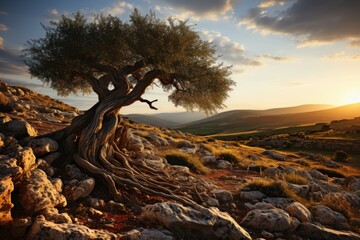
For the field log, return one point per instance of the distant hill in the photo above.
(249, 120)
(167, 119)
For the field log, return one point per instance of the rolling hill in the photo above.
(167, 119)
(249, 120)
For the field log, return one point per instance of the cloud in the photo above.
(294, 84)
(3, 27)
(1, 43)
(230, 52)
(311, 22)
(33, 84)
(343, 57)
(276, 58)
(196, 10)
(117, 9)
(11, 62)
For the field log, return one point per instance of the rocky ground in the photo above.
(255, 193)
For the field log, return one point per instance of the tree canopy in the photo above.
(108, 56)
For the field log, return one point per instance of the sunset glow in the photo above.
(282, 53)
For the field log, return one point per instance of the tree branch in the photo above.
(149, 103)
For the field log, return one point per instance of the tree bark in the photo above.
(94, 142)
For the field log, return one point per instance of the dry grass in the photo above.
(175, 157)
(271, 188)
(296, 179)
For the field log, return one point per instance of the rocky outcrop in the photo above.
(273, 220)
(18, 128)
(328, 217)
(299, 211)
(315, 232)
(38, 193)
(189, 223)
(42, 229)
(6, 187)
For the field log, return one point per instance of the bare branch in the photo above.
(149, 103)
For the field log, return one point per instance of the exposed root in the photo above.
(99, 154)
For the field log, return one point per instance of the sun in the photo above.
(353, 98)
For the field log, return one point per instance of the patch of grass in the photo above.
(331, 173)
(296, 179)
(341, 156)
(335, 206)
(174, 157)
(210, 148)
(228, 156)
(271, 188)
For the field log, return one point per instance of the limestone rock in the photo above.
(208, 159)
(135, 144)
(299, 211)
(223, 196)
(42, 229)
(251, 195)
(19, 129)
(273, 220)
(314, 232)
(328, 217)
(318, 175)
(82, 189)
(6, 187)
(222, 164)
(25, 158)
(352, 183)
(53, 215)
(300, 190)
(274, 155)
(42, 146)
(148, 234)
(9, 168)
(38, 193)
(194, 224)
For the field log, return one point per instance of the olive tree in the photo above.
(118, 61)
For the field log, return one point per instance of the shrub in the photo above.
(296, 179)
(184, 159)
(341, 156)
(228, 156)
(271, 188)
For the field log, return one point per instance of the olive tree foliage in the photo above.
(108, 54)
(119, 61)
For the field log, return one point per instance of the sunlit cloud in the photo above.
(271, 3)
(3, 27)
(313, 22)
(1, 43)
(276, 58)
(230, 52)
(197, 10)
(342, 56)
(117, 9)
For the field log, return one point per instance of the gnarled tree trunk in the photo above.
(94, 141)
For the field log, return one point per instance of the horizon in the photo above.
(279, 58)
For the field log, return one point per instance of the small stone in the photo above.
(42, 146)
(95, 213)
(222, 164)
(267, 235)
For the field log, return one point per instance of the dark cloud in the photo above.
(311, 21)
(11, 62)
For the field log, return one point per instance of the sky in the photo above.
(282, 52)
